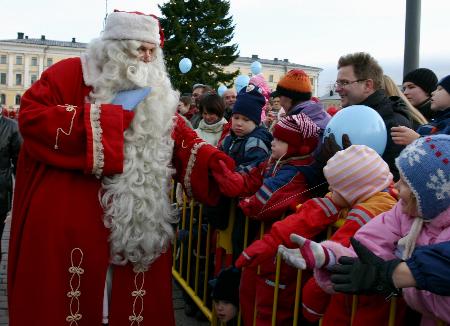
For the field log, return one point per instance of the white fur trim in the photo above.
(97, 146)
(130, 26)
(190, 166)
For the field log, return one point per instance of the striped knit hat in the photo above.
(357, 173)
(299, 131)
(296, 85)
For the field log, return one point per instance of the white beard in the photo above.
(136, 203)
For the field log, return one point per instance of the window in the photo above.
(270, 78)
(3, 78)
(17, 99)
(34, 61)
(33, 78)
(18, 79)
(312, 81)
(18, 60)
(2, 99)
(49, 62)
(3, 59)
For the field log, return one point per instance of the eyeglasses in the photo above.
(344, 83)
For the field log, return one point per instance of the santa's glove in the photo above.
(230, 183)
(310, 255)
(256, 253)
(369, 274)
(130, 99)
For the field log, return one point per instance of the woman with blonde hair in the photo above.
(391, 89)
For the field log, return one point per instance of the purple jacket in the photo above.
(314, 111)
(381, 235)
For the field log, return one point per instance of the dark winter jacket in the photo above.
(248, 151)
(439, 125)
(10, 141)
(430, 266)
(394, 113)
(425, 109)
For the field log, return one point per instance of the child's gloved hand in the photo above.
(367, 275)
(292, 257)
(310, 255)
(230, 183)
(130, 99)
(256, 253)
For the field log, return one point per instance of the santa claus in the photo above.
(92, 221)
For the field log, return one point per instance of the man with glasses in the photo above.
(359, 81)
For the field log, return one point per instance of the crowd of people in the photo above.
(92, 222)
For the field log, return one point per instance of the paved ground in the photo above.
(178, 302)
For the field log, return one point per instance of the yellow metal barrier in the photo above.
(202, 301)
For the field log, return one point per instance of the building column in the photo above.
(41, 65)
(10, 70)
(26, 73)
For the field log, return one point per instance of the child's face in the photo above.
(440, 99)
(225, 310)
(406, 195)
(241, 125)
(279, 148)
(210, 118)
(183, 109)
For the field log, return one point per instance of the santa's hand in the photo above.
(256, 253)
(314, 254)
(230, 183)
(130, 99)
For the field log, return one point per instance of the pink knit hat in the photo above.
(357, 173)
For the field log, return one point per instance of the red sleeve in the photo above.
(59, 129)
(282, 200)
(356, 218)
(312, 217)
(193, 160)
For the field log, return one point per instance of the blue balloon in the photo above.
(222, 89)
(185, 65)
(362, 124)
(241, 82)
(256, 67)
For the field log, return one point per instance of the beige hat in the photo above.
(121, 25)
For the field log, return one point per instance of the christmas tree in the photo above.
(200, 30)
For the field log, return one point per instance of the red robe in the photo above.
(59, 249)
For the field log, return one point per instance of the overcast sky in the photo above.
(309, 32)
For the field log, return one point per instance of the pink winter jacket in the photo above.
(381, 235)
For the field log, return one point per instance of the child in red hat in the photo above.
(280, 184)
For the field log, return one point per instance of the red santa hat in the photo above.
(122, 25)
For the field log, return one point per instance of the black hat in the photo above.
(249, 102)
(227, 286)
(422, 77)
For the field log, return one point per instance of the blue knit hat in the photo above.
(445, 83)
(425, 166)
(250, 102)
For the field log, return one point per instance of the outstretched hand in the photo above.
(230, 183)
(364, 275)
(309, 255)
(131, 98)
(331, 147)
(402, 135)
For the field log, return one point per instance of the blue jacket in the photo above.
(430, 266)
(250, 150)
(440, 124)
